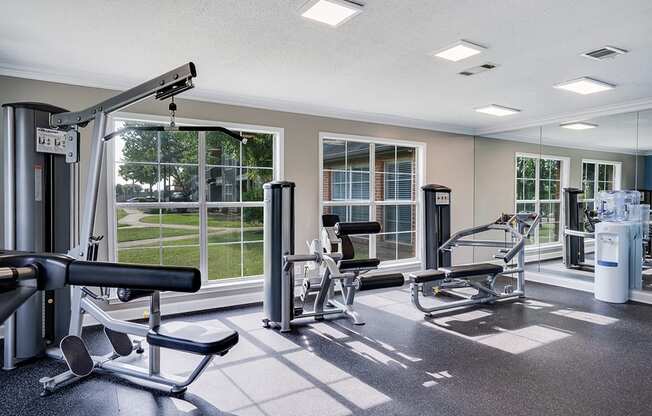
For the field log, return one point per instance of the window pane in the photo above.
(359, 185)
(609, 173)
(386, 247)
(136, 182)
(179, 226)
(252, 183)
(340, 211)
(223, 225)
(136, 146)
(385, 158)
(179, 147)
(385, 184)
(386, 216)
(222, 184)
(222, 149)
(334, 185)
(252, 255)
(334, 154)
(140, 255)
(526, 189)
(224, 261)
(405, 185)
(406, 218)
(550, 219)
(359, 213)
(140, 228)
(253, 224)
(259, 150)
(525, 207)
(405, 160)
(181, 256)
(602, 172)
(588, 171)
(526, 167)
(358, 156)
(589, 190)
(407, 245)
(179, 183)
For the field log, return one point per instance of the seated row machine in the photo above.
(334, 256)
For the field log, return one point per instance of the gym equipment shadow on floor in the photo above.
(559, 352)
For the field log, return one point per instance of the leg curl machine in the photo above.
(339, 270)
(24, 274)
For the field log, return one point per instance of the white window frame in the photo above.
(618, 167)
(201, 204)
(564, 181)
(420, 174)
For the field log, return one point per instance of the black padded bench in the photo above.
(454, 272)
(193, 338)
(352, 264)
(470, 270)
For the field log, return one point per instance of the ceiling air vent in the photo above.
(606, 52)
(478, 69)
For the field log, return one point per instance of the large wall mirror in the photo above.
(557, 170)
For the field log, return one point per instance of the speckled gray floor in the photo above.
(558, 353)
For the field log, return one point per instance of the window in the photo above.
(191, 198)
(367, 180)
(539, 182)
(598, 176)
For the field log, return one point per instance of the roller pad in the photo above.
(381, 281)
(353, 228)
(427, 276)
(126, 295)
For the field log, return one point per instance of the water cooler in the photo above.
(619, 244)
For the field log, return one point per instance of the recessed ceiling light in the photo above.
(497, 110)
(459, 50)
(585, 85)
(331, 12)
(578, 125)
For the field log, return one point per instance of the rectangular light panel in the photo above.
(578, 125)
(458, 51)
(330, 12)
(585, 85)
(497, 110)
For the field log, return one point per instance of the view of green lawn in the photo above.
(223, 259)
(193, 219)
(130, 233)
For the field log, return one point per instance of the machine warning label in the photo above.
(442, 198)
(38, 183)
(50, 141)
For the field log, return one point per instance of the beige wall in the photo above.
(449, 158)
(479, 170)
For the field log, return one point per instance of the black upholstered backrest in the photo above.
(329, 220)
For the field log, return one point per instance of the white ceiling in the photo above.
(622, 133)
(375, 67)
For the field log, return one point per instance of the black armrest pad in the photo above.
(134, 276)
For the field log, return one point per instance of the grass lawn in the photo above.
(146, 233)
(224, 261)
(121, 213)
(193, 219)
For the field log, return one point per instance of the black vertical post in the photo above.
(437, 223)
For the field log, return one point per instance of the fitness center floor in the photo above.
(559, 352)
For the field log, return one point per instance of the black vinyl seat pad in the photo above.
(472, 270)
(193, 337)
(358, 264)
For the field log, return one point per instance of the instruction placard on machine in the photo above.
(442, 198)
(50, 141)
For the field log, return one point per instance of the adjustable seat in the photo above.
(472, 270)
(193, 338)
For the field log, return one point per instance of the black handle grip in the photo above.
(134, 276)
(352, 228)
(127, 295)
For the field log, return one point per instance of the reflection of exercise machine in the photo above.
(579, 225)
(24, 274)
(65, 129)
(481, 277)
(340, 271)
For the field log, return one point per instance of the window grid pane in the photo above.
(163, 169)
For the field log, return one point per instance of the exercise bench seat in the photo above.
(426, 276)
(358, 264)
(193, 338)
(471, 270)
